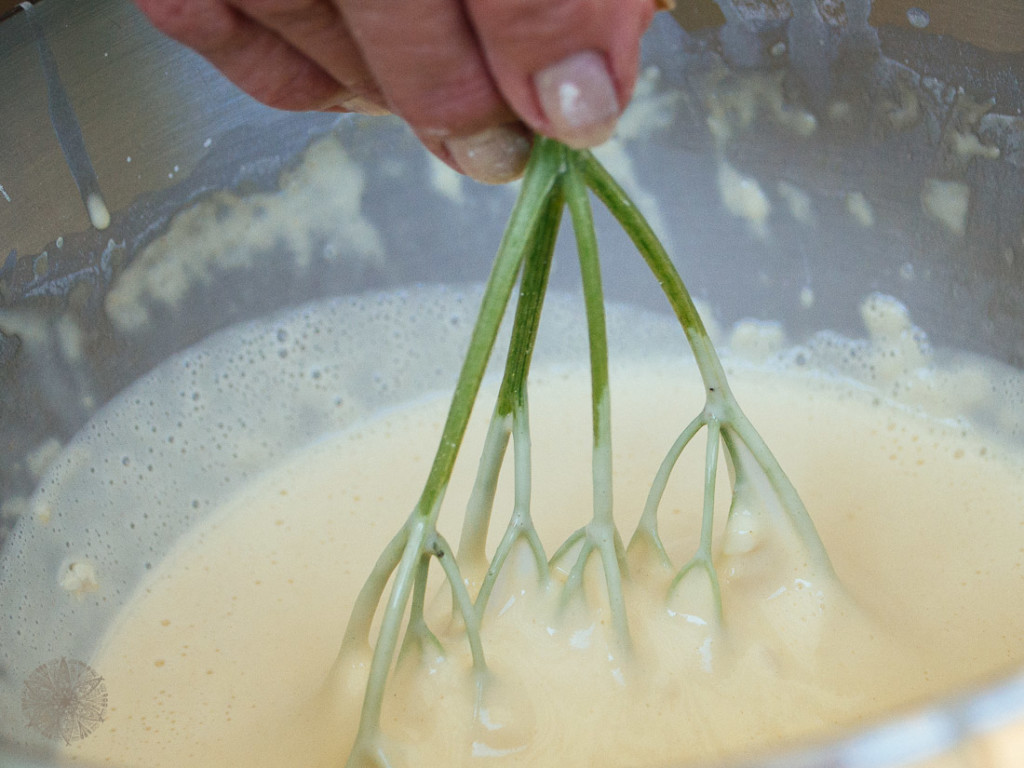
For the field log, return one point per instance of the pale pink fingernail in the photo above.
(346, 102)
(578, 97)
(364, 106)
(494, 155)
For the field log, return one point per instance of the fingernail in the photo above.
(494, 155)
(346, 102)
(579, 99)
(363, 106)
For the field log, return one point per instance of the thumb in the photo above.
(566, 67)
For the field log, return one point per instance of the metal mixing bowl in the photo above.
(817, 97)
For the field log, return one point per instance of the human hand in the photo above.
(472, 78)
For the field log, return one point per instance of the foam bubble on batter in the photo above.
(743, 197)
(79, 578)
(650, 109)
(968, 146)
(757, 341)
(99, 215)
(948, 203)
(40, 459)
(445, 180)
(798, 201)
(860, 209)
(735, 101)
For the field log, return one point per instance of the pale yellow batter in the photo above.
(224, 657)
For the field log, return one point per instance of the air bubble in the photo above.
(918, 17)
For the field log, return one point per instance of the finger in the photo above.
(256, 59)
(317, 29)
(426, 60)
(567, 67)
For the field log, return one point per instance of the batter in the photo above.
(226, 656)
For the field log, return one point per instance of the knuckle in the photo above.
(303, 90)
(455, 106)
(169, 16)
(364, 86)
(201, 27)
(310, 16)
(539, 25)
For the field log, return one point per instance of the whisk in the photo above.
(556, 177)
